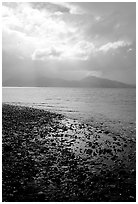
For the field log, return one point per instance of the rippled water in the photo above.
(113, 104)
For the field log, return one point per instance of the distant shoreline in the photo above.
(87, 82)
(131, 87)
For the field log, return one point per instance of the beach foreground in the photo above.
(48, 157)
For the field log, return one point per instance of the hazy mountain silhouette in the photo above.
(91, 82)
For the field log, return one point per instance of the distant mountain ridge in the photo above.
(88, 82)
(92, 81)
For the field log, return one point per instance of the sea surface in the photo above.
(85, 103)
(104, 147)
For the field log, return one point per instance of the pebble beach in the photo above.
(48, 157)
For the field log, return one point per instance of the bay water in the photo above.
(111, 103)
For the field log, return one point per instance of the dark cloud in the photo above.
(104, 8)
(116, 20)
(10, 4)
(50, 6)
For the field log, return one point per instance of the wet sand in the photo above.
(48, 157)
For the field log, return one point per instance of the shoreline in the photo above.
(117, 127)
(48, 157)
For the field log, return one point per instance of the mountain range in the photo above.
(88, 82)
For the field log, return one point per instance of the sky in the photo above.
(69, 40)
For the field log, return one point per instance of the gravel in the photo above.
(50, 158)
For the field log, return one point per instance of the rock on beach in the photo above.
(47, 157)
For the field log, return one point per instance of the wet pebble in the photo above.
(88, 151)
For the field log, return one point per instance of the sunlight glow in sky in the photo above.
(77, 39)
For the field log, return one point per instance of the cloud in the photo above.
(118, 21)
(19, 45)
(57, 7)
(113, 46)
(51, 7)
(81, 50)
(71, 8)
(85, 37)
(43, 33)
(43, 54)
(42, 29)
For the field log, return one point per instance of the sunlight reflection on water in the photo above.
(114, 104)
